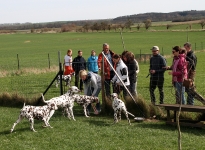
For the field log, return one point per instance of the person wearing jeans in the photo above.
(92, 86)
(192, 59)
(179, 73)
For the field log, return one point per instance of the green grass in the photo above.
(96, 132)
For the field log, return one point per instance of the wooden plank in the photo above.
(189, 108)
(199, 125)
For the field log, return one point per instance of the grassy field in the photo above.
(96, 132)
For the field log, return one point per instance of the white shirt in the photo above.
(124, 77)
(68, 60)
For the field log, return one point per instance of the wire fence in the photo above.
(31, 79)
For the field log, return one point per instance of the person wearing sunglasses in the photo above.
(179, 73)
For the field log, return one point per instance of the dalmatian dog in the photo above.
(65, 78)
(36, 112)
(84, 101)
(64, 101)
(118, 106)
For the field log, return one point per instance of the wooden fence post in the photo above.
(18, 61)
(49, 62)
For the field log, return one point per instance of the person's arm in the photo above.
(99, 61)
(94, 84)
(138, 67)
(123, 76)
(162, 65)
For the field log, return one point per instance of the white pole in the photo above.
(119, 78)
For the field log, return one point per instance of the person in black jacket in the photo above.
(192, 59)
(156, 70)
(129, 60)
(78, 64)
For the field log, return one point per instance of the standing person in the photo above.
(92, 86)
(78, 64)
(93, 62)
(129, 60)
(109, 73)
(122, 72)
(68, 63)
(156, 70)
(179, 73)
(192, 61)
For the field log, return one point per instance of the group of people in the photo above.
(183, 68)
(120, 72)
(87, 72)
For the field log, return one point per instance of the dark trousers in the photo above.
(156, 82)
(77, 80)
(107, 83)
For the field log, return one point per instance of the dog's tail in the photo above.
(131, 114)
(24, 104)
(43, 98)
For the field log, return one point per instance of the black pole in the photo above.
(60, 73)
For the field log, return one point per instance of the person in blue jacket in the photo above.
(92, 62)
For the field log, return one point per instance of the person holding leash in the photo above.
(92, 86)
(192, 59)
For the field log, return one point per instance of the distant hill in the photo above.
(178, 16)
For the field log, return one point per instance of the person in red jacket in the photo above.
(179, 73)
(109, 73)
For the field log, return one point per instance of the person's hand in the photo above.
(152, 71)
(167, 67)
(170, 73)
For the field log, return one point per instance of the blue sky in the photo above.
(34, 11)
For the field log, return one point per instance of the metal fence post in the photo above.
(60, 73)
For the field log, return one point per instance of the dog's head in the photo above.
(73, 89)
(114, 95)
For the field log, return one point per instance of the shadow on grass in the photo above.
(163, 126)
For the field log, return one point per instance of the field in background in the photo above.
(96, 132)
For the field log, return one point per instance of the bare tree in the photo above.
(104, 26)
(109, 27)
(139, 26)
(147, 23)
(96, 27)
(122, 26)
(202, 23)
(168, 26)
(128, 24)
(86, 27)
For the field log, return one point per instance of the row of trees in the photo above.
(106, 26)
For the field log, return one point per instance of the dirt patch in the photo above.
(27, 41)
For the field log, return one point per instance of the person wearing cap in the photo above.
(78, 64)
(156, 71)
(108, 71)
(92, 62)
(92, 86)
(192, 61)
